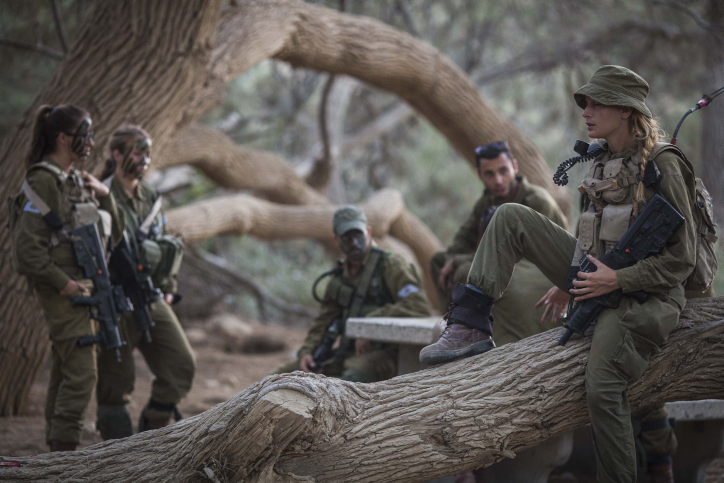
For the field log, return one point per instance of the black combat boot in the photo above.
(469, 328)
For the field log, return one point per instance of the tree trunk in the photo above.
(122, 68)
(428, 424)
(712, 135)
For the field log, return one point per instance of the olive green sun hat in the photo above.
(613, 85)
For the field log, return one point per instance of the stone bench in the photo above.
(699, 424)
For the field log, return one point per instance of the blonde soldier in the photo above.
(625, 337)
(168, 355)
(61, 139)
(515, 313)
(372, 283)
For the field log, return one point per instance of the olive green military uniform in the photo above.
(169, 356)
(395, 291)
(623, 338)
(47, 258)
(515, 314)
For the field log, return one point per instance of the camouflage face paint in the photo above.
(138, 157)
(81, 137)
(354, 244)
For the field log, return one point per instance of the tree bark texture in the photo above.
(163, 64)
(428, 424)
(122, 68)
(243, 214)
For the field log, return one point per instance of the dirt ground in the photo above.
(220, 375)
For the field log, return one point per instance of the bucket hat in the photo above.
(613, 85)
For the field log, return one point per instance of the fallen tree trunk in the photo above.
(463, 415)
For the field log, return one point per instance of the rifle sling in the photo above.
(360, 292)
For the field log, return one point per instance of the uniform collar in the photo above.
(121, 192)
(623, 154)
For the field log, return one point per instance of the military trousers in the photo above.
(623, 339)
(73, 376)
(169, 357)
(514, 312)
(376, 365)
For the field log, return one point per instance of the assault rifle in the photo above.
(107, 300)
(646, 237)
(325, 351)
(136, 284)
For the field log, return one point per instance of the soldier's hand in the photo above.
(72, 287)
(556, 301)
(444, 281)
(362, 346)
(593, 284)
(306, 363)
(92, 182)
(168, 298)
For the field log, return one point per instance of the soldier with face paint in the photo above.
(371, 283)
(168, 354)
(62, 139)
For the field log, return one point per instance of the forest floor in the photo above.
(221, 372)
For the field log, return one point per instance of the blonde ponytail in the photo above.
(647, 132)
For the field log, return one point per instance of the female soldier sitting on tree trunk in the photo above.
(168, 354)
(61, 139)
(624, 338)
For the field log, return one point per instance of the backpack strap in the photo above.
(146, 225)
(50, 217)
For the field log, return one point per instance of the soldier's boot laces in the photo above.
(661, 473)
(468, 331)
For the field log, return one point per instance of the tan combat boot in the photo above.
(468, 331)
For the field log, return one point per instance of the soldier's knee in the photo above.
(510, 211)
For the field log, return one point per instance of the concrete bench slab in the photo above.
(398, 330)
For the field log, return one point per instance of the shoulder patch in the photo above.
(407, 290)
(29, 207)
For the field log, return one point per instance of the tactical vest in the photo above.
(79, 207)
(369, 298)
(610, 208)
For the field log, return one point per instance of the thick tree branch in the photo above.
(428, 424)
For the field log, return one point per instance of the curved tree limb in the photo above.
(242, 214)
(428, 424)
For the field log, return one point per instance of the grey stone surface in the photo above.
(400, 330)
(696, 410)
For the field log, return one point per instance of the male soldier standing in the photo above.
(515, 313)
(372, 283)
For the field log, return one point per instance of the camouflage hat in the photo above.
(349, 218)
(613, 85)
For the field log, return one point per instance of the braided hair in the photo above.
(647, 133)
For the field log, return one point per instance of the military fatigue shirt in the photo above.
(666, 272)
(401, 283)
(466, 240)
(136, 208)
(46, 265)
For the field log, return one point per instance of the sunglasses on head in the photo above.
(492, 150)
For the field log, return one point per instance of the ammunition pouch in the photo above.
(169, 264)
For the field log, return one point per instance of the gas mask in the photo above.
(354, 244)
(137, 157)
(82, 136)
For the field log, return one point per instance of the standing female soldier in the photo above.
(61, 139)
(624, 338)
(169, 354)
